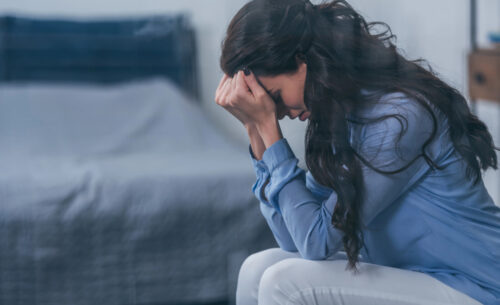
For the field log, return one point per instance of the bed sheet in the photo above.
(122, 195)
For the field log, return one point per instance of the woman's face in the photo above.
(287, 90)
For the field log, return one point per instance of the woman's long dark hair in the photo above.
(343, 56)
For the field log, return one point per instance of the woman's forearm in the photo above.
(273, 218)
(258, 146)
(270, 131)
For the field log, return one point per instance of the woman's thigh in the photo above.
(301, 281)
(251, 271)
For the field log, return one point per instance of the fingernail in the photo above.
(246, 71)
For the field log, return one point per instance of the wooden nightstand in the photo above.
(484, 67)
(484, 70)
(484, 74)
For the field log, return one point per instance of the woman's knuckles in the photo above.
(260, 95)
(239, 95)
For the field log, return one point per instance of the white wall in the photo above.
(436, 30)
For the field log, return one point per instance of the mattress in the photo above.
(124, 194)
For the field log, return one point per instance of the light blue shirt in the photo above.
(433, 221)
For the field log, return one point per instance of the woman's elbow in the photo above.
(313, 256)
(319, 249)
(286, 244)
(314, 250)
(288, 247)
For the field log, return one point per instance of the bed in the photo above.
(115, 187)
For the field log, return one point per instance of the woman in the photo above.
(394, 185)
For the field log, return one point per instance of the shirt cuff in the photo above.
(262, 174)
(275, 154)
(258, 165)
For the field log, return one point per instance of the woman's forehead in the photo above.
(271, 83)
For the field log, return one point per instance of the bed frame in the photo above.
(99, 51)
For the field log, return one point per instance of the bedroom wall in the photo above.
(439, 32)
(434, 30)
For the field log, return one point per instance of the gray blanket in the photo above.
(120, 195)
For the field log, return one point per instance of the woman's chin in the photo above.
(304, 116)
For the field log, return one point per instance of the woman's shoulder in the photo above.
(413, 111)
(397, 119)
(377, 103)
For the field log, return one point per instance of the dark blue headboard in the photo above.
(99, 51)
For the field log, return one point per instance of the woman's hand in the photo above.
(224, 96)
(244, 98)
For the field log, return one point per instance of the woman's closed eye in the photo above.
(277, 97)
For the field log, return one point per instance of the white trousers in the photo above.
(275, 276)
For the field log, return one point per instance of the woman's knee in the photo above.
(272, 286)
(255, 264)
(283, 282)
(251, 272)
(300, 281)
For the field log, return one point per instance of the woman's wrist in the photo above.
(250, 127)
(269, 131)
(256, 142)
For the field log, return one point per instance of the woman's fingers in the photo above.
(240, 88)
(257, 90)
(219, 87)
(241, 83)
(233, 87)
(222, 80)
(226, 90)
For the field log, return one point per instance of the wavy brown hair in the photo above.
(345, 54)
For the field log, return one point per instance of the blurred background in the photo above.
(121, 180)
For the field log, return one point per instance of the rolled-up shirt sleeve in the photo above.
(262, 175)
(306, 216)
(272, 217)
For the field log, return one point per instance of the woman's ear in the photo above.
(302, 68)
